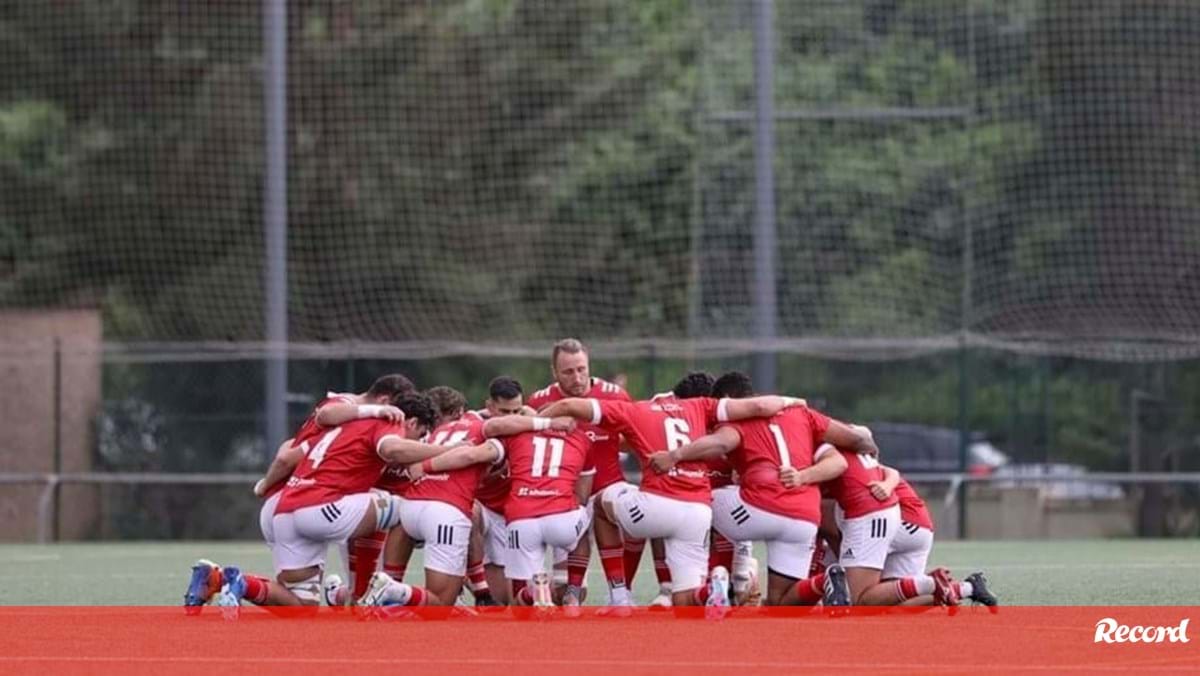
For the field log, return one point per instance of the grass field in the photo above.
(1093, 572)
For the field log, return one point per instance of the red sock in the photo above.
(522, 593)
(906, 588)
(613, 562)
(661, 571)
(720, 553)
(633, 557)
(818, 559)
(396, 571)
(477, 578)
(418, 597)
(256, 589)
(701, 594)
(576, 570)
(364, 558)
(811, 590)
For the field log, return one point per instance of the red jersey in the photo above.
(394, 480)
(787, 439)
(850, 489)
(664, 424)
(493, 488)
(544, 467)
(456, 487)
(606, 446)
(343, 461)
(912, 507)
(309, 430)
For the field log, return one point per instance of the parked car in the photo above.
(923, 448)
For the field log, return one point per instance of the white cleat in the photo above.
(334, 592)
(570, 603)
(540, 590)
(717, 605)
(745, 583)
(663, 601)
(377, 590)
(620, 604)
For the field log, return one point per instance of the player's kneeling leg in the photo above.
(307, 590)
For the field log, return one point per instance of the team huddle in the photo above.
(487, 492)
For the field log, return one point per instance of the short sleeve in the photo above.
(822, 451)
(817, 422)
(499, 446)
(382, 432)
(611, 415)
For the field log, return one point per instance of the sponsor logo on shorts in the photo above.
(1108, 630)
(849, 554)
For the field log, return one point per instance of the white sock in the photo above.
(397, 593)
(924, 584)
(966, 589)
(619, 596)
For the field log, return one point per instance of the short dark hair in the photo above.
(419, 407)
(448, 401)
(504, 387)
(735, 385)
(392, 385)
(694, 384)
(568, 345)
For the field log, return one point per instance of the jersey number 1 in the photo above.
(785, 456)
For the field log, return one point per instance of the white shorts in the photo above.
(683, 525)
(867, 539)
(266, 518)
(790, 542)
(302, 536)
(909, 553)
(444, 529)
(528, 539)
(495, 537)
(561, 554)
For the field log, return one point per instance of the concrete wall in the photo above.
(1021, 514)
(27, 414)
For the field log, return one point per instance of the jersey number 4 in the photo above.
(317, 454)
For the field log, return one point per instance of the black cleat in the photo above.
(980, 593)
(837, 592)
(483, 599)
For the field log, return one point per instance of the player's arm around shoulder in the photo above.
(394, 449)
(490, 451)
(755, 407)
(579, 409)
(340, 413)
(853, 438)
(719, 443)
(827, 465)
(509, 425)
